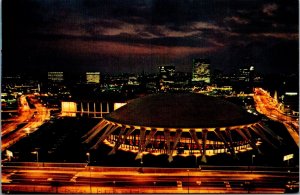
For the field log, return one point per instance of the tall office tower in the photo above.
(56, 77)
(165, 76)
(92, 77)
(166, 72)
(246, 74)
(251, 74)
(201, 70)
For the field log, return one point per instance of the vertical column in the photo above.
(101, 109)
(94, 109)
(134, 141)
(167, 141)
(81, 108)
(190, 147)
(107, 107)
(204, 139)
(88, 108)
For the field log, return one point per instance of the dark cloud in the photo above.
(106, 34)
(267, 17)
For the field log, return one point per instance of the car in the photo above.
(179, 184)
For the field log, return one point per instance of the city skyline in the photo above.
(136, 36)
(150, 96)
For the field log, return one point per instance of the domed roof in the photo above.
(182, 110)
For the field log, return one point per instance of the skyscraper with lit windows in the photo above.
(246, 74)
(92, 77)
(201, 70)
(166, 76)
(56, 77)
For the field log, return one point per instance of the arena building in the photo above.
(180, 124)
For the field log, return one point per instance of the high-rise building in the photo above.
(201, 70)
(251, 74)
(166, 72)
(93, 77)
(56, 77)
(246, 74)
(165, 76)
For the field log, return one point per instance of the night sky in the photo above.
(140, 35)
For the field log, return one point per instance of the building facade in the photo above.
(201, 70)
(56, 77)
(246, 74)
(93, 77)
(165, 76)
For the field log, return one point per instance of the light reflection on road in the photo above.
(30, 118)
(266, 105)
(124, 181)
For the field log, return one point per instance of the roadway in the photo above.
(266, 105)
(24, 115)
(129, 180)
(27, 122)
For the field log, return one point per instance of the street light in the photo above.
(188, 171)
(114, 182)
(142, 164)
(88, 155)
(252, 161)
(37, 155)
(154, 183)
(253, 158)
(90, 180)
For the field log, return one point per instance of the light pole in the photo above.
(142, 164)
(88, 156)
(114, 182)
(90, 180)
(252, 161)
(37, 155)
(188, 183)
(253, 156)
(88, 161)
(33, 186)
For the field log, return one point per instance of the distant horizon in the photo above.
(79, 72)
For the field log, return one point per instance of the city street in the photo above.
(266, 105)
(24, 114)
(151, 180)
(27, 122)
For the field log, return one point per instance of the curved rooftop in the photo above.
(187, 110)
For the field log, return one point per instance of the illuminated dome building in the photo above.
(180, 124)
